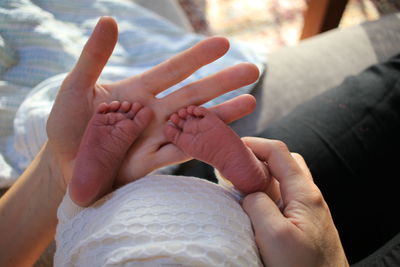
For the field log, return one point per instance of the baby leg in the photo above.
(107, 138)
(202, 135)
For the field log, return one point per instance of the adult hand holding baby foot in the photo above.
(301, 232)
(80, 95)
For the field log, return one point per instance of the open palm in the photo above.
(79, 96)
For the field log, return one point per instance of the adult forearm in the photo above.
(28, 211)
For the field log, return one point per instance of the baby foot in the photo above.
(202, 135)
(107, 138)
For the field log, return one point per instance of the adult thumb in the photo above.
(263, 213)
(95, 54)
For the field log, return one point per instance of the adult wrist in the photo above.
(52, 166)
(336, 256)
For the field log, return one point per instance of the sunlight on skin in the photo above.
(152, 150)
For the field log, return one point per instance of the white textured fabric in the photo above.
(158, 220)
(43, 38)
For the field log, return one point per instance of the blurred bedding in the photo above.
(41, 40)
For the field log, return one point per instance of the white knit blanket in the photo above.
(40, 39)
(157, 221)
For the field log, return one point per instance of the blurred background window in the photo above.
(272, 23)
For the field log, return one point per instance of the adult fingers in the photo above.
(235, 108)
(269, 224)
(95, 54)
(302, 164)
(180, 66)
(208, 88)
(170, 154)
(262, 210)
(294, 184)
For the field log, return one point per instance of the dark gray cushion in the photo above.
(295, 74)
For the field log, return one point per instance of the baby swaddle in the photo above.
(158, 220)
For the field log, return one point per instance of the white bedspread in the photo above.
(41, 40)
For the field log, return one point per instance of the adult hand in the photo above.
(79, 96)
(300, 232)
